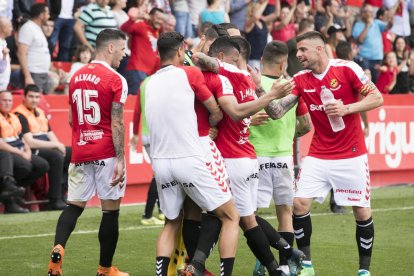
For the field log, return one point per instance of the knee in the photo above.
(248, 222)
(301, 206)
(361, 213)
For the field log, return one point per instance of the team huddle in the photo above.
(220, 141)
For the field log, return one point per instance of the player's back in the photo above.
(233, 136)
(92, 90)
(169, 109)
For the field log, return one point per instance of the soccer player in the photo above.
(179, 162)
(96, 97)
(336, 160)
(272, 141)
(233, 142)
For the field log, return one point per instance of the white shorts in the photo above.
(244, 179)
(276, 180)
(192, 176)
(214, 156)
(88, 178)
(349, 179)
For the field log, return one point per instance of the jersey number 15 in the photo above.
(84, 102)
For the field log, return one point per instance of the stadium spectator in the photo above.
(401, 12)
(272, 141)
(256, 32)
(335, 35)
(388, 37)
(43, 142)
(182, 15)
(26, 167)
(331, 15)
(33, 51)
(6, 9)
(143, 35)
(284, 27)
(402, 52)
(62, 12)
(195, 7)
(169, 23)
(238, 12)
(9, 192)
(83, 56)
(98, 159)
(335, 150)
(121, 17)
(213, 13)
(6, 29)
(367, 33)
(92, 20)
(388, 71)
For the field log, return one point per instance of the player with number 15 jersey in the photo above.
(93, 89)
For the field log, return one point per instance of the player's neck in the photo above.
(271, 71)
(321, 66)
(104, 58)
(242, 65)
(167, 62)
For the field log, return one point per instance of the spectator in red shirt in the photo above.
(388, 73)
(143, 44)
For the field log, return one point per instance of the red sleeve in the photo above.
(301, 109)
(296, 89)
(197, 83)
(130, 27)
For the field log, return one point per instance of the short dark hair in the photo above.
(245, 48)
(154, 10)
(168, 43)
(305, 23)
(220, 30)
(222, 44)
(343, 50)
(31, 88)
(211, 33)
(228, 25)
(311, 35)
(107, 35)
(37, 9)
(274, 52)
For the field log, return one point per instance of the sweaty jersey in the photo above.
(218, 85)
(92, 90)
(346, 80)
(233, 137)
(169, 107)
(275, 138)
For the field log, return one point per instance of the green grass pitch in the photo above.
(26, 241)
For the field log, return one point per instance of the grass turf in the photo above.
(26, 241)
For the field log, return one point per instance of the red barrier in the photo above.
(139, 171)
(390, 143)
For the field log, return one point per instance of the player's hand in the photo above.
(212, 132)
(5, 51)
(366, 131)
(255, 73)
(281, 88)
(119, 172)
(336, 108)
(260, 118)
(134, 141)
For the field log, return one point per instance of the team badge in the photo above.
(334, 83)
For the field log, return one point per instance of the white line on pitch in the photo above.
(83, 232)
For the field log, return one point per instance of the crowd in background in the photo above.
(379, 32)
(38, 36)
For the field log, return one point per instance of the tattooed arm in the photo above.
(117, 127)
(303, 125)
(276, 109)
(205, 63)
